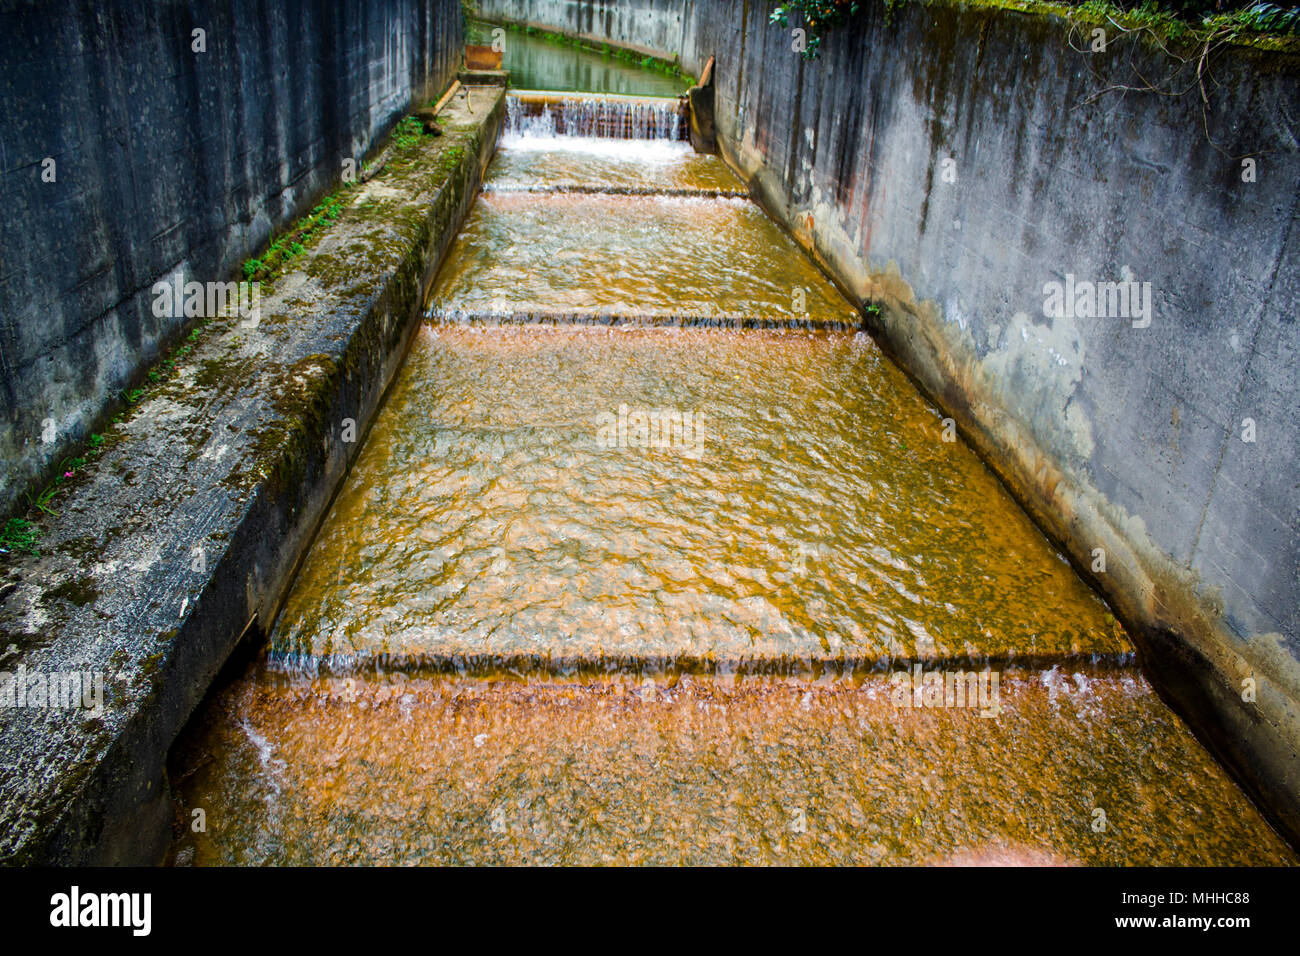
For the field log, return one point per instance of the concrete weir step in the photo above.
(529, 661)
(183, 535)
(639, 320)
(592, 189)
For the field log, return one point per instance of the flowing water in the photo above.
(652, 557)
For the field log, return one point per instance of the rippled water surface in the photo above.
(595, 593)
(408, 769)
(634, 256)
(571, 163)
(819, 516)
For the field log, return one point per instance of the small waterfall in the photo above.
(601, 117)
(521, 121)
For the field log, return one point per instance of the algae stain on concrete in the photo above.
(1043, 361)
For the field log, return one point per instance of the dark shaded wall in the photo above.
(1123, 439)
(169, 159)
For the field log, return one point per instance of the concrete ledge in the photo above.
(484, 77)
(701, 192)
(763, 662)
(184, 536)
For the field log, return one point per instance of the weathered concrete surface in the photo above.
(655, 27)
(185, 533)
(484, 77)
(947, 163)
(167, 157)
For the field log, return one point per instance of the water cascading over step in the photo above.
(677, 593)
(541, 151)
(608, 117)
(572, 197)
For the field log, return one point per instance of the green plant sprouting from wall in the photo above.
(19, 535)
(273, 263)
(283, 248)
(1200, 22)
(818, 17)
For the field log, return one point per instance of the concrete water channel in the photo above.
(651, 556)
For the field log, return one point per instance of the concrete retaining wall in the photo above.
(168, 158)
(948, 163)
(657, 27)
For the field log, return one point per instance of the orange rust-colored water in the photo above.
(820, 519)
(402, 770)
(608, 165)
(533, 628)
(632, 256)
